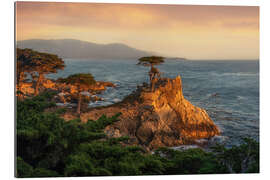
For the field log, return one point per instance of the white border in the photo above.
(7, 78)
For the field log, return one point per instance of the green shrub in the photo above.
(49, 146)
(239, 159)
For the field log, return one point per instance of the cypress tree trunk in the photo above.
(153, 84)
(38, 84)
(151, 76)
(19, 80)
(79, 103)
(19, 84)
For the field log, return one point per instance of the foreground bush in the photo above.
(48, 146)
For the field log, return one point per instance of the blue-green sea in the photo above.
(228, 90)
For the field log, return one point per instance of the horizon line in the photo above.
(238, 59)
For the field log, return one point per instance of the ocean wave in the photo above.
(99, 103)
(236, 74)
(116, 100)
(240, 97)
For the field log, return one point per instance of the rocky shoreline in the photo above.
(66, 94)
(152, 119)
(156, 119)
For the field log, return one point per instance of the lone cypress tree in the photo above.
(82, 81)
(154, 72)
(37, 63)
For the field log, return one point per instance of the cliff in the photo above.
(159, 118)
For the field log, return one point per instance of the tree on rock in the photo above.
(154, 72)
(83, 82)
(39, 63)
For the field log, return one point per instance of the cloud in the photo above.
(168, 29)
(133, 16)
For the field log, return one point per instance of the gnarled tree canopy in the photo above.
(82, 80)
(151, 60)
(37, 63)
(42, 63)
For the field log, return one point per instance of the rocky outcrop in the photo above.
(97, 88)
(66, 93)
(159, 118)
(27, 88)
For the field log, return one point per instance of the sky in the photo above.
(193, 32)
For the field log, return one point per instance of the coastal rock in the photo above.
(96, 88)
(159, 118)
(27, 88)
(65, 91)
(49, 84)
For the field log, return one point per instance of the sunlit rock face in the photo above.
(159, 118)
(27, 88)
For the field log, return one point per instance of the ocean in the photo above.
(227, 90)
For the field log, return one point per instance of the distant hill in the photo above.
(71, 48)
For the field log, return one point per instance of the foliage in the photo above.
(48, 146)
(152, 60)
(83, 82)
(37, 64)
(79, 80)
(191, 161)
(239, 159)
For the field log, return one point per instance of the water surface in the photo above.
(228, 90)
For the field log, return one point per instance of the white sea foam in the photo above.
(218, 139)
(116, 100)
(240, 97)
(185, 147)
